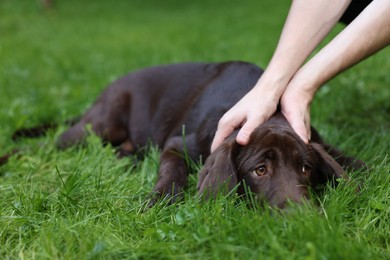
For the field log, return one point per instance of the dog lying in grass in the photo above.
(177, 107)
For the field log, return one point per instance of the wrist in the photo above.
(305, 83)
(271, 85)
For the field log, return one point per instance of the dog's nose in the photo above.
(282, 205)
(291, 200)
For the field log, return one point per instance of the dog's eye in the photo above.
(260, 171)
(306, 169)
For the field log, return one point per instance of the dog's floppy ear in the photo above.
(348, 163)
(219, 173)
(326, 167)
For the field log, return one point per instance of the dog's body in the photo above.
(153, 104)
(159, 104)
(177, 107)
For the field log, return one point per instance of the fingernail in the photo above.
(241, 139)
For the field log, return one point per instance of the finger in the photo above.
(223, 131)
(245, 132)
(308, 130)
(302, 130)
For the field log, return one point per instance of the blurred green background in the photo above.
(84, 203)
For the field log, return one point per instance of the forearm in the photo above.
(367, 34)
(307, 24)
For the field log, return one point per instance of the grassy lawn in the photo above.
(83, 203)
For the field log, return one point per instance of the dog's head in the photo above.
(276, 165)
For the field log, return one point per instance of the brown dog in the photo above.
(160, 104)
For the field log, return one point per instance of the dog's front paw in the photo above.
(168, 197)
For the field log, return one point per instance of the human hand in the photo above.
(252, 110)
(295, 106)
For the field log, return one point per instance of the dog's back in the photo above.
(196, 95)
(153, 104)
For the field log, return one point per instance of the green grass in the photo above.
(83, 203)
